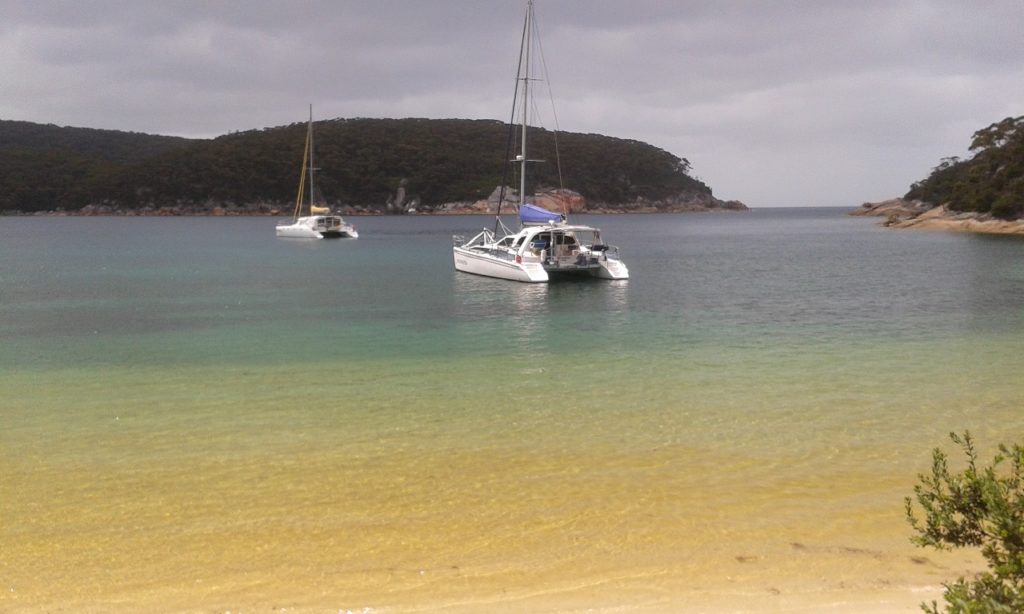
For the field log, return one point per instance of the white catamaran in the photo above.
(319, 224)
(546, 246)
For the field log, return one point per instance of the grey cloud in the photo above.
(790, 102)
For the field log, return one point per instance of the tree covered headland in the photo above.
(991, 181)
(361, 162)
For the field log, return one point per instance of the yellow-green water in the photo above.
(261, 488)
(658, 463)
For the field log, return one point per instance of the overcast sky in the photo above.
(775, 103)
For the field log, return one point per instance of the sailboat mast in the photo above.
(311, 162)
(510, 143)
(526, 100)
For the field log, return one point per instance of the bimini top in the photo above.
(532, 214)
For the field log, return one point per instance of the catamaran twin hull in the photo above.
(546, 246)
(319, 224)
(318, 227)
(539, 254)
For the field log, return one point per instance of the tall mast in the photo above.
(311, 162)
(511, 127)
(526, 100)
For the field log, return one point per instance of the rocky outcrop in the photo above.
(568, 201)
(399, 202)
(895, 209)
(689, 201)
(900, 213)
(553, 199)
(561, 201)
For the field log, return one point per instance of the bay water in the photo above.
(198, 416)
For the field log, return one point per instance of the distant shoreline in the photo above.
(551, 199)
(227, 212)
(900, 213)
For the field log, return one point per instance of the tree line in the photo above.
(990, 181)
(361, 161)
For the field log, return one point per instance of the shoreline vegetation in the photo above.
(903, 213)
(366, 167)
(267, 211)
(982, 194)
(554, 199)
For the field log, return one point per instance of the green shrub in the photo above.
(991, 181)
(980, 507)
(1008, 206)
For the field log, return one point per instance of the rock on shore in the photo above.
(552, 199)
(573, 202)
(900, 213)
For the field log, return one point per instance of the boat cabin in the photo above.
(558, 247)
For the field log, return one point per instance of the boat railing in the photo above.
(481, 238)
(608, 251)
(502, 254)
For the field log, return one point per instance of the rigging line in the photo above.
(302, 176)
(551, 97)
(312, 163)
(511, 125)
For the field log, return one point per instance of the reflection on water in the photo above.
(483, 295)
(523, 315)
(994, 286)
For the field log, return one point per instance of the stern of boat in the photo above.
(612, 268)
(601, 261)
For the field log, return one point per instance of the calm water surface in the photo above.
(197, 416)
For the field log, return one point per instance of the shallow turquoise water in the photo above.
(171, 291)
(763, 380)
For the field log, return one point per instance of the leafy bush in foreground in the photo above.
(978, 507)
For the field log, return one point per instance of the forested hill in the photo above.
(362, 162)
(990, 182)
(108, 145)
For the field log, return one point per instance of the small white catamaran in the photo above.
(546, 246)
(319, 224)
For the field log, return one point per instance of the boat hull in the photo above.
(539, 254)
(315, 227)
(294, 231)
(611, 269)
(478, 263)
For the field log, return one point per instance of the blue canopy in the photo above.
(532, 214)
